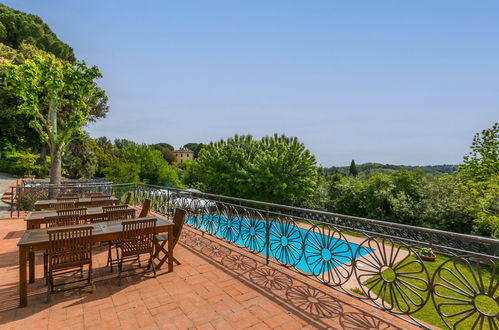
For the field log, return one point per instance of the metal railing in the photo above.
(387, 265)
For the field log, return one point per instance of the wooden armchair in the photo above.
(99, 197)
(136, 239)
(105, 202)
(128, 198)
(115, 215)
(63, 220)
(145, 208)
(72, 199)
(106, 209)
(120, 214)
(70, 249)
(59, 221)
(160, 240)
(78, 211)
(62, 206)
(92, 194)
(68, 195)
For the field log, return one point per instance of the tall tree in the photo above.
(195, 147)
(479, 181)
(17, 27)
(46, 87)
(353, 169)
(14, 126)
(483, 159)
(275, 169)
(166, 150)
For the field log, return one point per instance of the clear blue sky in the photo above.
(403, 82)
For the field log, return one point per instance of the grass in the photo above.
(429, 313)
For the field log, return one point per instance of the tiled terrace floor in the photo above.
(216, 287)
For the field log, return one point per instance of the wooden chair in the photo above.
(62, 206)
(106, 209)
(100, 197)
(78, 211)
(128, 198)
(160, 240)
(59, 221)
(105, 202)
(70, 249)
(145, 208)
(126, 214)
(67, 195)
(72, 199)
(63, 220)
(123, 214)
(136, 239)
(92, 194)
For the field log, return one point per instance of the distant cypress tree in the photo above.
(353, 169)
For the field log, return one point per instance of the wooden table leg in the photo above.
(31, 257)
(23, 286)
(170, 249)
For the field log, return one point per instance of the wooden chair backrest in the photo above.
(78, 211)
(68, 195)
(74, 199)
(128, 198)
(69, 246)
(100, 197)
(62, 206)
(64, 220)
(137, 235)
(102, 202)
(114, 208)
(145, 208)
(92, 194)
(120, 214)
(178, 220)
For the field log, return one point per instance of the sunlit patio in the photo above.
(216, 286)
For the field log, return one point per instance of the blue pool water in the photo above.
(312, 251)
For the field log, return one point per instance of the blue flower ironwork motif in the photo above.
(211, 223)
(230, 224)
(286, 242)
(253, 232)
(328, 255)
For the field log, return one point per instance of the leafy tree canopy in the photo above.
(195, 147)
(166, 150)
(353, 171)
(483, 160)
(141, 163)
(46, 87)
(17, 27)
(274, 169)
(80, 160)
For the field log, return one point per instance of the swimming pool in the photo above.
(313, 251)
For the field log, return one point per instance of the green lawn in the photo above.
(429, 313)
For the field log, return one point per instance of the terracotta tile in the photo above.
(201, 293)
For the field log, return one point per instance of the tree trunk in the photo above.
(55, 173)
(55, 152)
(55, 167)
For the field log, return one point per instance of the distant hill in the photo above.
(368, 169)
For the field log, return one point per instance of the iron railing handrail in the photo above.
(468, 237)
(429, 231)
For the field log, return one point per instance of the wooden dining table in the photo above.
(38, 240)
(45, 203)
(36, 218)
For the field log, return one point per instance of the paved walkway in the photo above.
(216, 287)
(5, 182)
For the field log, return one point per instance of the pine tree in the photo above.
(353, 169)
